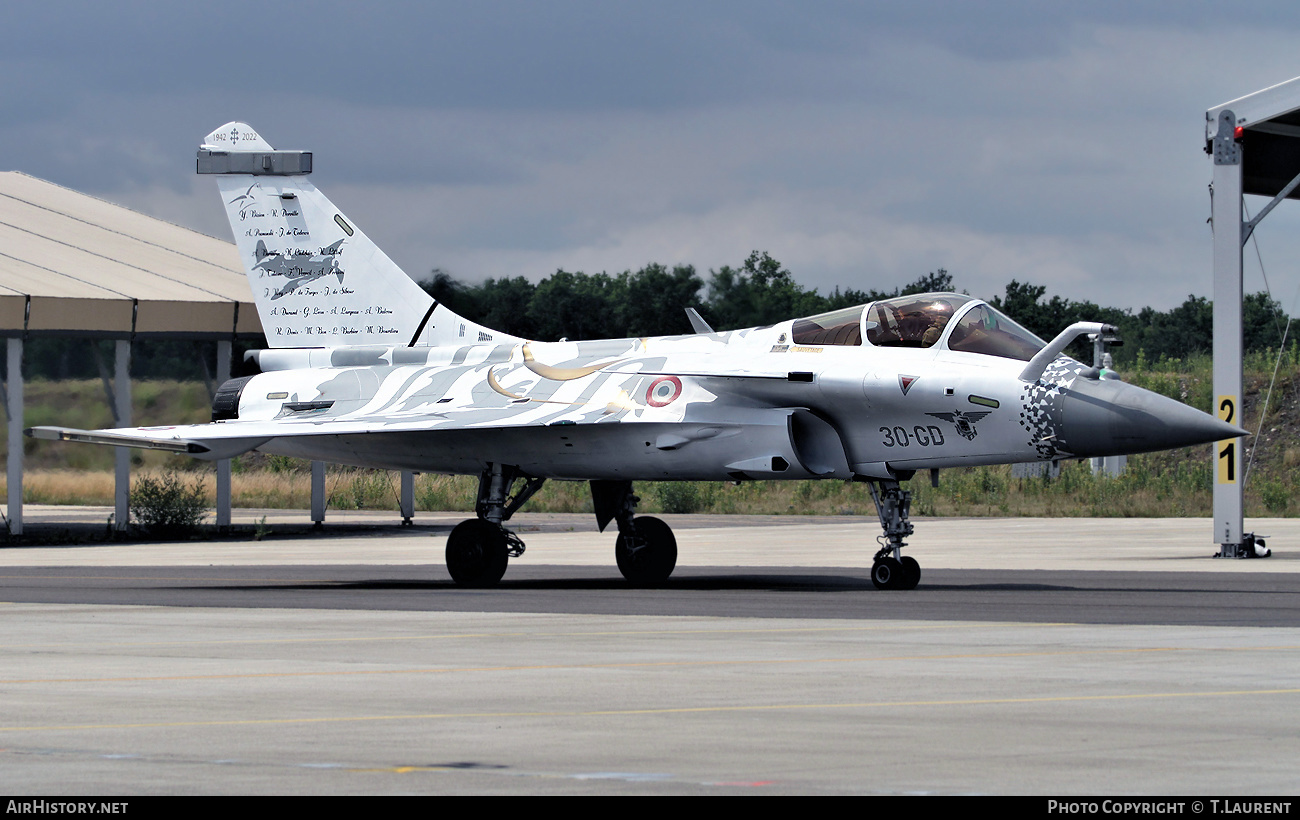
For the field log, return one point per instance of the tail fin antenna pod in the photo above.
(317, 279)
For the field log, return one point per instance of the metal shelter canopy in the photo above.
(74, 265)
(1254, 142)
(1270, 124)
(71, 264)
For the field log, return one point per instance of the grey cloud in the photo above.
(514, 54)
(858, 142)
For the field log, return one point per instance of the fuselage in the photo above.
(781, 401)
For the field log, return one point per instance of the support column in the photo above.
(318, 492)
(1226, 215)
(14, 407)
(223, 465)
(122, 455)
(408, 497)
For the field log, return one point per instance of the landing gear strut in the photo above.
(646, 550)
(891, 569)
(479, 549)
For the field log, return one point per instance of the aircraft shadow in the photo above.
(742, 582)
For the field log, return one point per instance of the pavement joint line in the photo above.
(678, 710)
(874, 627)
(647, 664)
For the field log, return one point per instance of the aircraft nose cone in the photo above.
(1107, 417)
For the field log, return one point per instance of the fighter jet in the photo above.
(378, 374)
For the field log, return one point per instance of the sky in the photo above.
(862, 144)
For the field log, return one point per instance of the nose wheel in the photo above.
(895, 573)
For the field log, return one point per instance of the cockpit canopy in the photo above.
(838, 327)
(912, 321)
(922, 320)
(981, 329)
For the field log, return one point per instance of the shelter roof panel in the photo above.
(79, 265)
(54, 313)
(13, 310)
(249, 323)
(19, 274)
(216, 253)
(176, 272)
(70, 248)
(184, 317)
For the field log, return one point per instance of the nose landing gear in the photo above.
(891, 569)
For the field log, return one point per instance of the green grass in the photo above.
(84, 404)
(1154, 485)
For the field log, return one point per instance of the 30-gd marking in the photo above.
(1228, 454)
(925, 436)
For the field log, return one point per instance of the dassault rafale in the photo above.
(364, 368)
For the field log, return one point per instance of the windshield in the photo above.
(985, 330)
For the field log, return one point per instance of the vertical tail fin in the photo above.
(317, 279)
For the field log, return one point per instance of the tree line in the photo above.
(652, 301)
(1186, 330)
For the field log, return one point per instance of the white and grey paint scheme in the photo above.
(365, 368)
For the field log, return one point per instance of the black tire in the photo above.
(652, 558)
(887, 573)
(911, 572)
(476, 553)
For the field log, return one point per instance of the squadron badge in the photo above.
(965, 422)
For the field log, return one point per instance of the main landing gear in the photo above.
(646, 550)
(892, 569)
(479, 549)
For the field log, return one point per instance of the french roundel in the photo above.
(663, 391)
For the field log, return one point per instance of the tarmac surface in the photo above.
(1056, 657)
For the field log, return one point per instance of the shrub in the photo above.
(683, 497)
(1275, 495)
(167, 507)
(368, 489)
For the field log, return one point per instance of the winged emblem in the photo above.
(965, 422)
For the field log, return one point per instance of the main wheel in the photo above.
(650, 559)
(888, 573)
(476, 553)
(911, 572)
